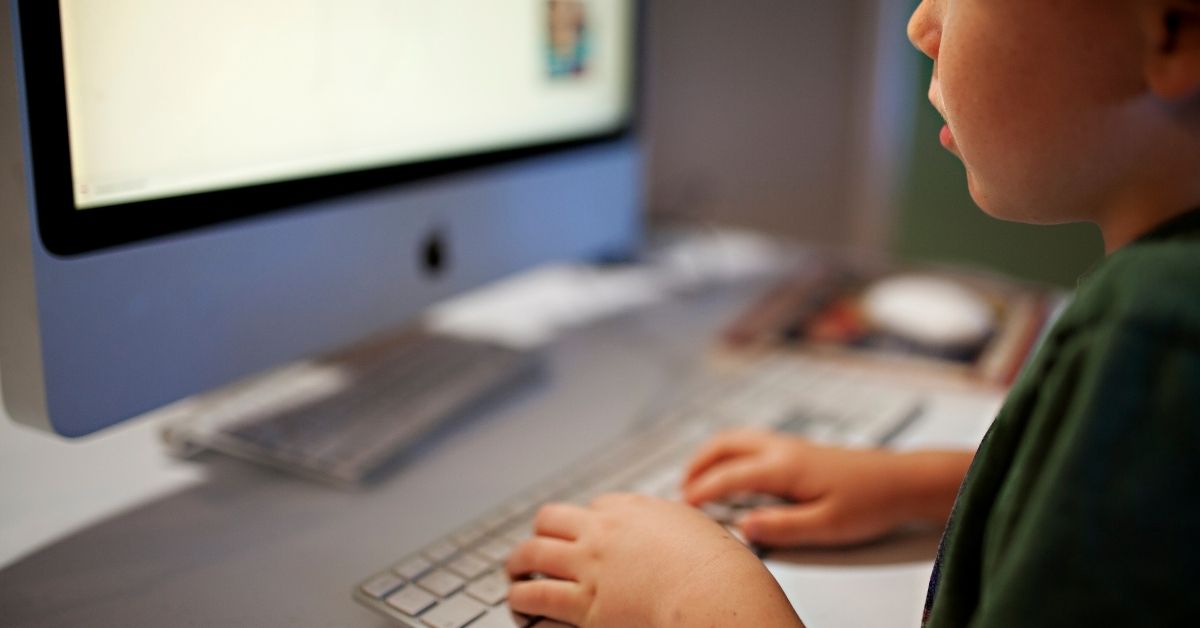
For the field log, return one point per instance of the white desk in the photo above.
(221, 543)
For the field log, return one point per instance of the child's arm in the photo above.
(842, 495)
(631, 560)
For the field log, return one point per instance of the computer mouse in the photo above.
(928, 310)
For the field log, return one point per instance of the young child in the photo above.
(1078, 508)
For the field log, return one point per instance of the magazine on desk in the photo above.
(830, 307)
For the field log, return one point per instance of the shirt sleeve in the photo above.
(1098, 522)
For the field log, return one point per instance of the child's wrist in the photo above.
(927, 484)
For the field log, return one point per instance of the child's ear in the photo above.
(1173, 63)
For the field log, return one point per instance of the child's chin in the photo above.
(1026, 209)
(990, 205)
(981, 199)
(1012, 213)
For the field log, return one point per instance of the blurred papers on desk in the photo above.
(825, 307)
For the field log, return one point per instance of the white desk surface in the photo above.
(128, 535)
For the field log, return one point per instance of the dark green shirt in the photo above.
(1082, 507)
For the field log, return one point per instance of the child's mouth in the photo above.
(947, 138)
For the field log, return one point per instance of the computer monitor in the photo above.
(194, 191)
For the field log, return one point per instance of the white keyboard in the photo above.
(345, 417)
(459, 580)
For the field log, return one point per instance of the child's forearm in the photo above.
(743, 593)
(929, 482)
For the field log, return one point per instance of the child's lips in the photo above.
(947, 138)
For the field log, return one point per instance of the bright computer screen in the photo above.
(186, 114)
(172, 98)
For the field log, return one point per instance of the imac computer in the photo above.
(195, 191)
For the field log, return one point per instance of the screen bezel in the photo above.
(67, 231)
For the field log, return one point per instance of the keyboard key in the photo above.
(496, 550)
(490, 589)
(381, 585)
(658, 482)
(455, 612)
(494, 520)
(762, 500)
(439, 552)
(412, 568)
(410, 600)
(441, 582)
(519, 532)
(501, 617)
(468, 566)
(468, 538)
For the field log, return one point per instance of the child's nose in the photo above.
(923, 29)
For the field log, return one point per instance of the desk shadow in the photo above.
(907, 546)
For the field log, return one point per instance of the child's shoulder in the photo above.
(1152, 286)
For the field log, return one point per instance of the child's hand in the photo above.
(842, 496)
(631, 560)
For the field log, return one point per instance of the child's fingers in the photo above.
(723, 446)
(751, 475)
(542, 555)
(561, 521)
(788, 526)
(561, 600)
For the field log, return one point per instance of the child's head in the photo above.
(1066, 110)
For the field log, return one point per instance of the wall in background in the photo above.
(749, 107)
